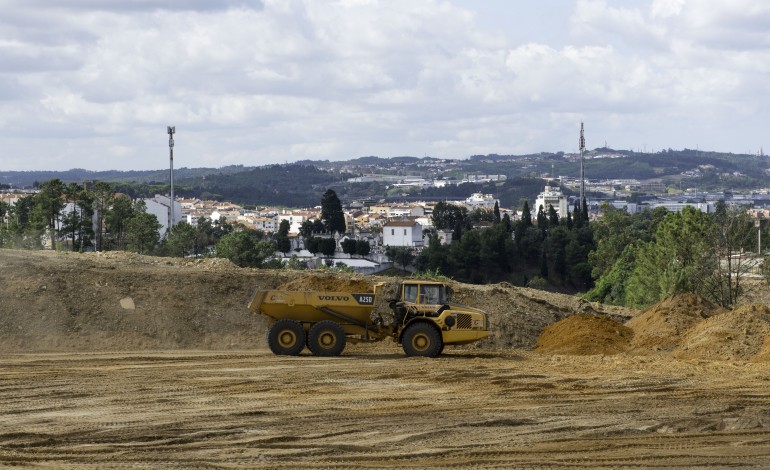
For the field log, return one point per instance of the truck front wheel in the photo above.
(326, 338)
(286, 338)
(422, 339)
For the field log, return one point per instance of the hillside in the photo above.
(300, 184)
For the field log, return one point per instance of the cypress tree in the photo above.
(526, 215)
(331, 212)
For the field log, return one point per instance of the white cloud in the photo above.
(94, 84)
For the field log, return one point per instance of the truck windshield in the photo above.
(432, 294)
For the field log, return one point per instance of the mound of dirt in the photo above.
(661, 327)
(585, 335)
(735, 335)
(119, 301)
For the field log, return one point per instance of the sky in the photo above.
(94, 84)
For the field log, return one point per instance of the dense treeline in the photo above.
(642, 258)
(625, 259)
(73, 217)
(554, 251)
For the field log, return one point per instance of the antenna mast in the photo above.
(582, 166)
(171, 132)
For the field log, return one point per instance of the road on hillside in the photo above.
(511, 409)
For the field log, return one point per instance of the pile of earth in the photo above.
(585, 334)
(661, 327)
(734, 335)
(682, 326)
(122, 301)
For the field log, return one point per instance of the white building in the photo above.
(295, 221)
(402, 233)
(481, 201)
(160, 207)
(553, 197)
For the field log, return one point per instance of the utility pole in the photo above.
(171, 132)
(582, 166)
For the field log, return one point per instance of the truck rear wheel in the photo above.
(326, 338)
(286, 338)
(422, 339)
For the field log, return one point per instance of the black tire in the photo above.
(326, 338)
(286, 338)
(422, 339)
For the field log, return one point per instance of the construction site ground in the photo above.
(113, 360)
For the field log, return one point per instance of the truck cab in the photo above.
(425, 320)
(424, 295)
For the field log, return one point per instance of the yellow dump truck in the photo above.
(421, 320)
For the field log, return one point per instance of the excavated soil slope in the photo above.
(121, 301)
(683, 326)
(660, 327)
(734, 335)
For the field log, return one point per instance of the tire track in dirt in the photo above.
(255, 410)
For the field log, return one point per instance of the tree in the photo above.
(507, 223)
(327, 246)
(447, 216)
(577, 216)
(331, 212)
(363, 248)
(675, 261)
(349, 246)
(245, 248)
(466, 257)
(48, 205)
(402, 255)
(313, 244)
(733, 237)
(434, 257)
(306, 229)
(543, 265)
(496, 211)
(553, 216)
(141, 230)
(526, 215)
(282, 242)
(542, 219)
(618, 229)
(181, 240)
(116, 219)
(610, 288)
(21, 231)
(103, 195)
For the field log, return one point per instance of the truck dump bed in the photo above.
(308, 306)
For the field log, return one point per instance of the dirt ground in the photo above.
(512, 409)
(115, 360)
